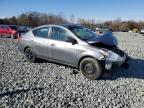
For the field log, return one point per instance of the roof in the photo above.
(70, 25)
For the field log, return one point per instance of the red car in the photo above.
(8, 30)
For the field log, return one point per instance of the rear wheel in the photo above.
(90, 68)
(30, 55)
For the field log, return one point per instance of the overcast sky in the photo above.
(89, 9)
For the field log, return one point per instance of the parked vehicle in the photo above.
(142, 31)
(23, 29)
(8, 30)
(73, 45)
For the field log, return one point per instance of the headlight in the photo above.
(104, 52)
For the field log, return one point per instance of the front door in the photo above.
(60, 50)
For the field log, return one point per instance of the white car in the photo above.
(142, 31)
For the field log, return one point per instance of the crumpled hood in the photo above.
(107, 39)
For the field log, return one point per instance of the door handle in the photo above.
(52, 44)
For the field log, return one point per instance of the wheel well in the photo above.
(102, 62)
(84, 58)
(26, 48)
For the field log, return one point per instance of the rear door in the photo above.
(60, 50)
(40, 42)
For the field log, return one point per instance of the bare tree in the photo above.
(72, 19)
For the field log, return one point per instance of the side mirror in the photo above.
(71, 40)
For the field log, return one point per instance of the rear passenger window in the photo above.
(41, 32)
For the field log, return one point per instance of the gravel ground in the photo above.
(24, 84)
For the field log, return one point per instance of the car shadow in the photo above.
(10, 93)
(134, 70)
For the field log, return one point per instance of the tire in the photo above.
(12, 36)
(15, 37)
(30, 55)
(90, 68)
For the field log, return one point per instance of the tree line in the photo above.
(34, 19)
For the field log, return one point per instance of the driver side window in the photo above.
(59, 34)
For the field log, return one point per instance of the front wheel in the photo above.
(90, 68)
(30, 55)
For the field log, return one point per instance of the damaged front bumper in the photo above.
(114, 60)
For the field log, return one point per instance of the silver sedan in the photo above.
(72, 45)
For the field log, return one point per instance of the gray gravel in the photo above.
(24, 84)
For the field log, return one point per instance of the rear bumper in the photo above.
(20, 47)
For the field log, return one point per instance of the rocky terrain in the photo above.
(44, 84)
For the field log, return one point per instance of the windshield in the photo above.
(82, 32)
